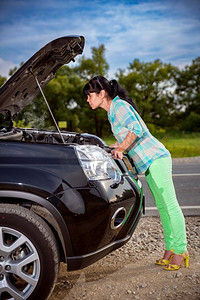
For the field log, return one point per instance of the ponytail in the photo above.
(119, 91)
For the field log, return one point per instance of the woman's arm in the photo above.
(129, 139)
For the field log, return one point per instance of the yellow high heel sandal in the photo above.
(163, 261)
(173, 267)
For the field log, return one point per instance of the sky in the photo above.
(144, 30)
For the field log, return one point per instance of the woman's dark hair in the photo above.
(112, 87)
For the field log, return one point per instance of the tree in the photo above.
(96, 65)
(2, 80)
(91, 121)
(151, 85)
(188, 92)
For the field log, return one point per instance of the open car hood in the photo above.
(22, 87)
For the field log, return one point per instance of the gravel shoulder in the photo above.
(130, 272)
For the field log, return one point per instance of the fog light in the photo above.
(118, 218)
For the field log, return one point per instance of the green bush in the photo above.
(192, 122)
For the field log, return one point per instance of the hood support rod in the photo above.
(48, 108)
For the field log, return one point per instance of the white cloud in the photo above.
(148, 30)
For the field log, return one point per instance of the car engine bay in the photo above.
(49, 136)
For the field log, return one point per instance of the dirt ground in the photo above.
(130, 272)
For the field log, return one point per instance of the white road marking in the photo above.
(190, 174)
(177, 175)
(182, 207)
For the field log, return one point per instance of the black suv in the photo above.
(63, 198)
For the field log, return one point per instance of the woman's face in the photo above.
(94, 100)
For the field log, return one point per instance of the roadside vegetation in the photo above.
(168, 100)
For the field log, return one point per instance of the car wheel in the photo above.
(29, 260)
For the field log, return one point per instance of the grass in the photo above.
(179, 144)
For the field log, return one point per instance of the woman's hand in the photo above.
(117, 152)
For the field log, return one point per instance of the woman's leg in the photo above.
(159, 179)
(164, 217)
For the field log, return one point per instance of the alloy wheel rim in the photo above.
(19, 265)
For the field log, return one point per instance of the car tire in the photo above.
(29, 256)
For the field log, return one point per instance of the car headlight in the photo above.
(97, 163)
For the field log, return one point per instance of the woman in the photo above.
(149, 156)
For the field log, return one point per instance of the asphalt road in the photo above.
(186, 177)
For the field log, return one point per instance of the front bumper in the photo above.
(82, 261)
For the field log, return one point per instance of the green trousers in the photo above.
(159, 179)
